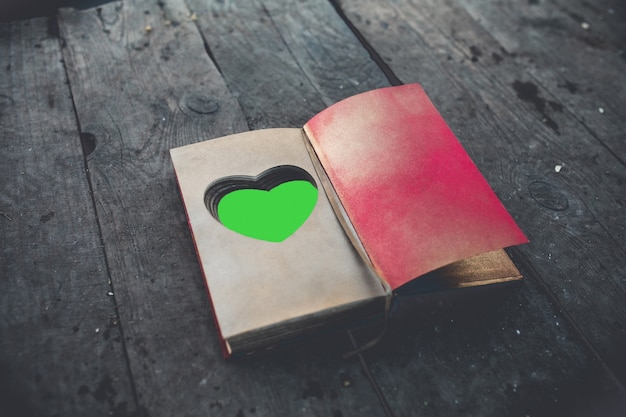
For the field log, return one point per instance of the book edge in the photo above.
(226, 348)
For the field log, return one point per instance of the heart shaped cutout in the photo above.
(270, 206)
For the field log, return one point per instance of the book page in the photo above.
(258, 280)
(413, 195)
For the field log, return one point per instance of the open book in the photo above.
(296, 229)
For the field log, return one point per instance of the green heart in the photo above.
(272, 215)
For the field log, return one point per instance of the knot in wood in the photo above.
(195, 103)
(548, 196)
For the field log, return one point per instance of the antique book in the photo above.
(298, 229)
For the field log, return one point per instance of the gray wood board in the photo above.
(574, 217)
(287, 60)
(573, 52)
(143, 83)
(499, 351)
(296, 28)
(61, 349)
(582, 70)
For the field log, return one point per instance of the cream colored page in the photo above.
(254, 283)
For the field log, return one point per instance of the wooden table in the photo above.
(102, 305)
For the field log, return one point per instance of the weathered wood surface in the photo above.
(143, 92)
(61, 349)
(518, 131)
(514, 82)
(573, 51)
(286, 60)
(586, 76)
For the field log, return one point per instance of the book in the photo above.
(297, 229)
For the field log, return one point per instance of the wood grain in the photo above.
(61, 348)
(572, 217)
(131, 88)
(519, 82)
(441, 81)
(285, 60)
(494, 351)
(573, 52)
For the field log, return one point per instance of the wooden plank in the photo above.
(285, 60)
(586, 76)
(298, 382)
(573, 51)
(143, 83)
(230, 41)
(61, 348)
(502, 351)
(572, 216)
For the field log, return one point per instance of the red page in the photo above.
(415, 198)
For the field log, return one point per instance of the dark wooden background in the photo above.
(102, 305)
